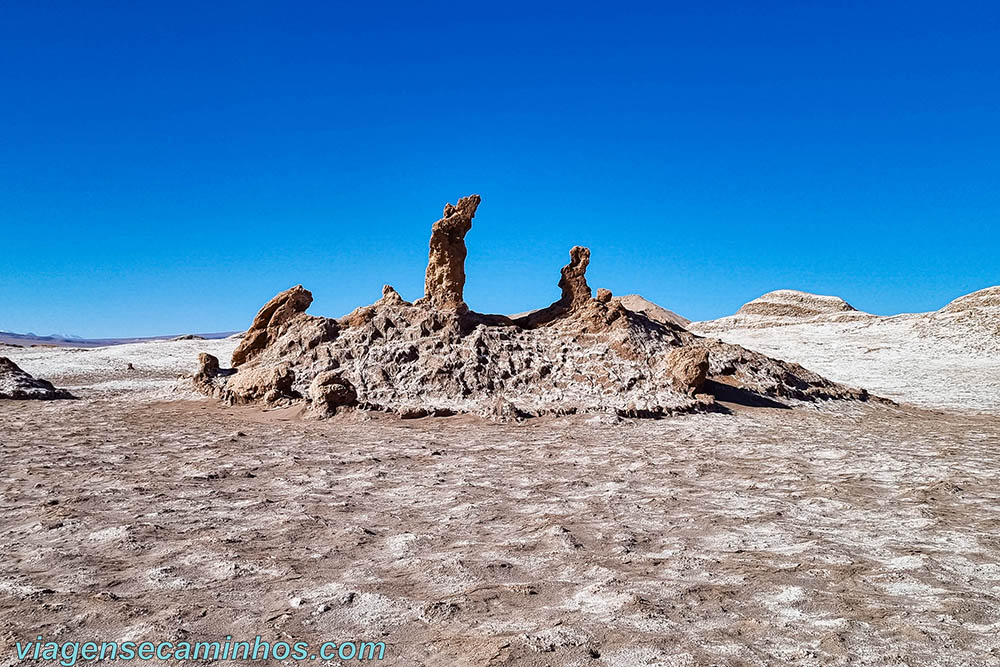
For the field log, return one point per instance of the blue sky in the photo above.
(168, 168)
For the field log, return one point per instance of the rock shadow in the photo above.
(739, 396)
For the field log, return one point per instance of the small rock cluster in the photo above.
(435, 356)
(16, 384)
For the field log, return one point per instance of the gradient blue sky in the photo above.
(168, 169)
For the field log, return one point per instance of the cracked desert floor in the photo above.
(834, 533)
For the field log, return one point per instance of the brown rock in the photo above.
(391, 297)
(413, 413)
(575, 290)
(267, 384)
(267, 326)
(445, 279)
(688, 367)
(604, 295)
(502, 410)
(637, 304)
(208, 365)
(362, 315)
(330, 390)
(210, 377)
(208, 370)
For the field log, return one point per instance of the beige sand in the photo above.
(828, 534)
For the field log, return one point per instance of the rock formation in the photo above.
(796, 306)
(983, 304)
(575, 290)
(16, 384)
(268, 324)
(445, 278)
(268, 384)
(923, 358)
(330, 391)
(970, 322)
(208, 371)
(436, 357)
(208, 367)
(688, 368)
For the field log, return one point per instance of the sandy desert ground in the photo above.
(828, 534)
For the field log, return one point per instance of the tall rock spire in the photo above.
(445, 279)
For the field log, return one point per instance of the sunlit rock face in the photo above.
(436, 356)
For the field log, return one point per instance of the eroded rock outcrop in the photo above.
(637, 304)
(445, 278)
(688, 368)
(576, 293)
(267, 384)
(19, 385)
(575, 290)
(434, 356)
(330, 391)
(267, 326)
(208, 369)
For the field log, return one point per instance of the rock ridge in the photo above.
(436, 356)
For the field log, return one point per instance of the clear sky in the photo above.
(168, 167)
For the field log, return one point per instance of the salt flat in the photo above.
(830, 533)
(157, 367)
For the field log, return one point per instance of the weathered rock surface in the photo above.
(688, 367)
(444, 282)
(208, 368)
(18, 385)
(330, 390)
(972, 321)
(270, 322)
(575, 290)
(983, 304)
(436, 357)
(795, 304)
(267, 384)
(576, 293)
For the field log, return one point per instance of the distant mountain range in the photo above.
(62, 340)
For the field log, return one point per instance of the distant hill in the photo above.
(923, 358)
(784, 307)
(971, 321)
(34, 340)
(638, 304)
